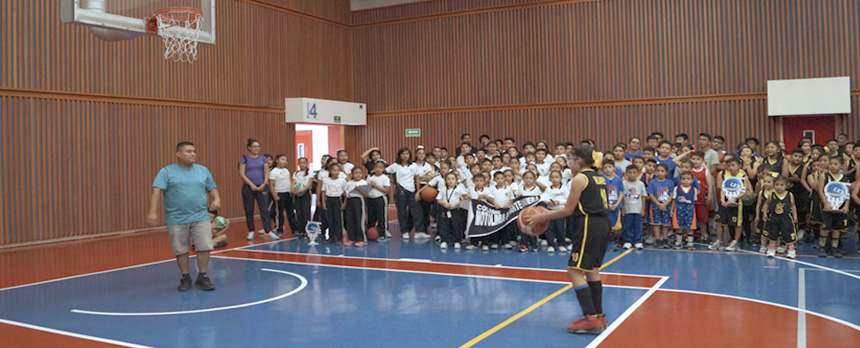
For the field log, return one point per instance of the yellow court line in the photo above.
(531, 308)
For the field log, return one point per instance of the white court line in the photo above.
(824, 270)
(413, 260)
(805, 263)
(446, 263)
(617, 322)
(85, 275)
(72, 334)
(205, 310)
(823, 316)
(801, 304)
(420, 272)
(121, 268)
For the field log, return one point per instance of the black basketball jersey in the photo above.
(780, 206)
(774, 166)
(593, 199)
(851, 165)
(828, 178)
(795, 173)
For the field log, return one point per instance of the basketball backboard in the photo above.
(115, 20)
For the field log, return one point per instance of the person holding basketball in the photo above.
(588, 204)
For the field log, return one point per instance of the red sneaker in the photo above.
(587, 325)
(360, 244)
(604, 321)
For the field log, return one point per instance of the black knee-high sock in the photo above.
(586, 301)
(597, 295)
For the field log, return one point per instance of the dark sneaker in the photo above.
(588, 325)
(838, 253)
(604, 321)
(221, 244)
(185, 284)
(204, 283)
(821, 252)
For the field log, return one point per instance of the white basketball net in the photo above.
(180, 45)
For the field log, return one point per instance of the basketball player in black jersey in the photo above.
(588, 204)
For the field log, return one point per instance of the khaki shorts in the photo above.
(199, 232)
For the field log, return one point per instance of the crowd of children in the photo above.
(658, 188)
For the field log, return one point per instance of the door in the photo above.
(820, 128)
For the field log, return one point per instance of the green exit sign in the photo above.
(337, 119)
(413, 132)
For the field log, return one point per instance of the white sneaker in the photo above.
(485, 248)
(421, 235)
(250, 235)
(550, 250)
(272, 235)
(650, 240)
(781, 249)
(443, 245)
(733, 246)
(471, 247)
(562, 249)
(543, 242)
(771, 253)
(404, 235)
(387, 234)
(716, 245)
(762, 250)
(627, 246)
(513, 243)
(438, 238)
(792, 254)
(494, 246)
(567, 241)
(456, 245)
(638, 246)
(508, 246)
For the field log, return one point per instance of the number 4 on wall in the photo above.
(312, 110)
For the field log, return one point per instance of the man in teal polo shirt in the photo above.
(185, 186)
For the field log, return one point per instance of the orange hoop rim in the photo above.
(179, 14)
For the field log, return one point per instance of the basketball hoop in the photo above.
(179, 27)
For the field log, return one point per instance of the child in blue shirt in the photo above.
(660, 194)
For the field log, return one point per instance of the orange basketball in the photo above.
(535, 229)
(428, 194)
(372, 233)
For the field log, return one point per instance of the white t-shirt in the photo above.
(351, 188)
(544, 180)
(381, 180)
(533, 192)
(453, 195)
(323, 174)
(622, 165)
(438, 182)
(347, 167)
(515, 188)
(566, 176)
(420, 171)
(301, 178)
(559, 195)
(502, 195)
(543, 168)
(473, 193)
(281, 177)
(405, 176)
(334, 187)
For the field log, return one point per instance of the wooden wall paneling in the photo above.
(711, 49)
